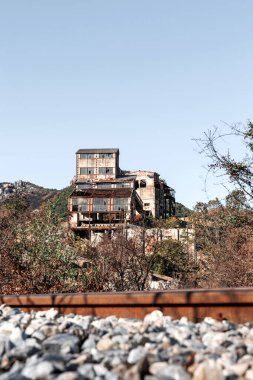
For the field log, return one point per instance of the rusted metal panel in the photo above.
(232, 304)
(104, 193)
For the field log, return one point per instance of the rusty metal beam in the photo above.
(233, 304)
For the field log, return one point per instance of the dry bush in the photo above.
(120, 264)
(224, 237)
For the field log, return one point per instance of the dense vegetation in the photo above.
(59, 204)
(40, 254)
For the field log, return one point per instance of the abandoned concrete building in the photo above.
(106, 197)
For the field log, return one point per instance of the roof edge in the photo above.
(102, 150)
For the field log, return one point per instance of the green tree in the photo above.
(38, 253)
(44, 253)
(17, 205)
(59, 204)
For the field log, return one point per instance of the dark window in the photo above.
(85, 171)
(79, 204)
(74, 204)
(105, 155)
(143, 183)
(91, 170)
(120, 204)
(105, 170)
(87, 155)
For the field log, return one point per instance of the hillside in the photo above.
(35, 195)
(182, 211)
(59, 203)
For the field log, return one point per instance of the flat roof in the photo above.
(108, 150)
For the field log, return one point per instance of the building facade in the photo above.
(105, 197)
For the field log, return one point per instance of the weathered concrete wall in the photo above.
(151, 193)
(153, 235)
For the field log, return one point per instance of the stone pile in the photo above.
(47, 345)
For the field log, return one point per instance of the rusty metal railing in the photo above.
(232, 304)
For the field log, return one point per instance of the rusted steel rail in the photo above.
(233, 304)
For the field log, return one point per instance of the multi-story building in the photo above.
(106, 197)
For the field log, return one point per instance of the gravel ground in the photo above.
(48, 345)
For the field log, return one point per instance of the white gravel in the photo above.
(47, 345)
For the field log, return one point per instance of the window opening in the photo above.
(82, 186)
(100, 204)
(105, 155)
(143, 183)
(104, 170)
(123, 184)
(87, 155)
(91, 170)
(120, 204)
(83, 171)
(104, 185)
(79, 204)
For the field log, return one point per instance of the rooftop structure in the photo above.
(97, 164)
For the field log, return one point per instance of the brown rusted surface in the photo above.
(233, 304)
(103, 193)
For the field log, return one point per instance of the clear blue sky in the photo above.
(139, 75)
